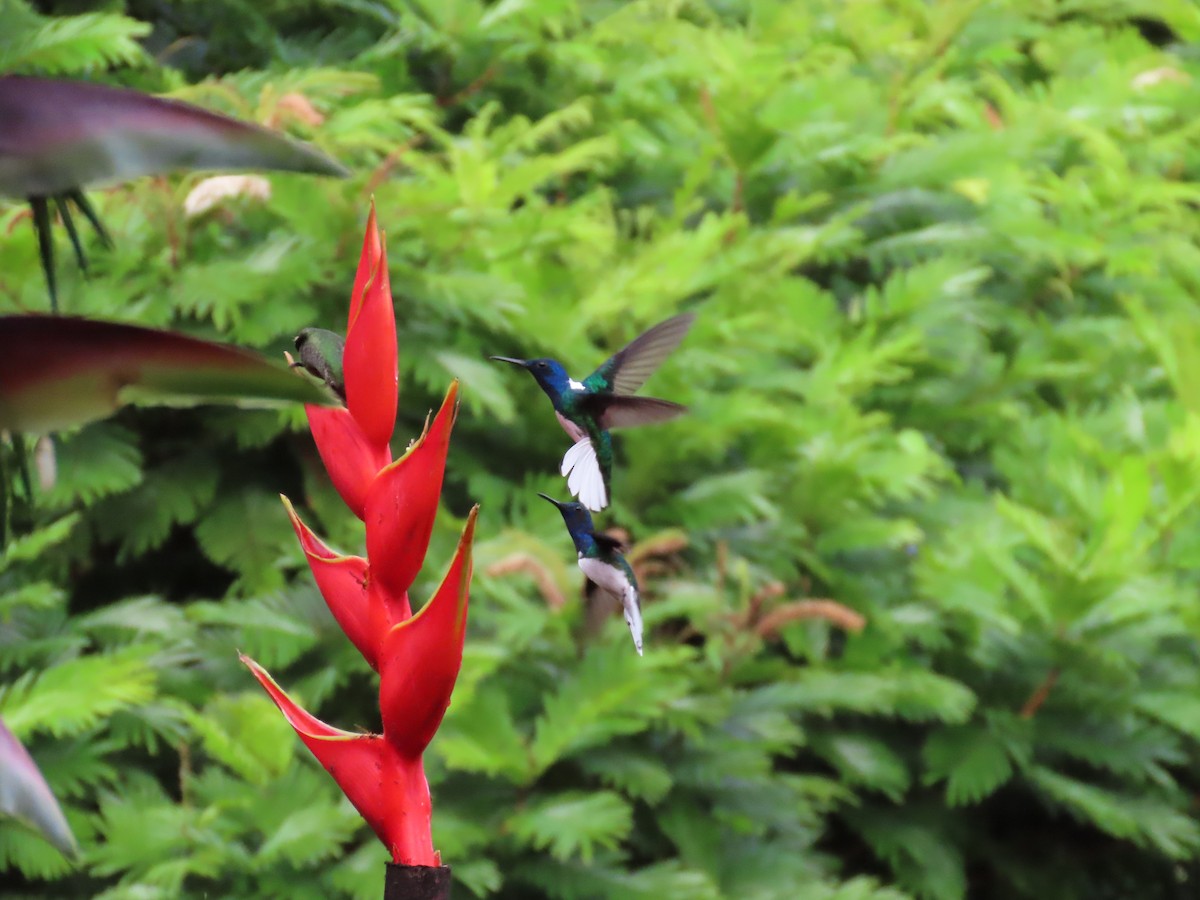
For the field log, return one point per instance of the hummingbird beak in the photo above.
(523, 363)
(551, 499)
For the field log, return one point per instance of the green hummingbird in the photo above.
(320, 354)
(601, 561)
(588, 409)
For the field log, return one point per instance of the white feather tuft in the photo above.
(584, 479)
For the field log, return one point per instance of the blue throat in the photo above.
(551, 378)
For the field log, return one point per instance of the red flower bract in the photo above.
(417, 657)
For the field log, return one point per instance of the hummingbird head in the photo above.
(576, 515)
(320, 353)
(549, 373)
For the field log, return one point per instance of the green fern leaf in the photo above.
(29, 42)
(311, 834)
(572, 824)
(52, 700)
(971, 759)
(481, 736)
(171, 494)
(612, 692)
(629, 769)
(866, 761)
(35, 543)
(246, 531)
(240, 732)
(24, 850)
(99, 460)
(1140, 818)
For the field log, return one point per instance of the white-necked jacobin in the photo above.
(601, 561)
(320, 353)
(588, 409)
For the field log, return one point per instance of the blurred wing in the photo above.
(606, 542)
(625, 412)
(584, 478)
(628, 369)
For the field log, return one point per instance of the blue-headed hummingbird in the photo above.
(588, 409)
(601, 561)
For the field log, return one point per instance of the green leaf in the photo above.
(1143, 819)
(243, 732)
(973, 762)
(53, 701)
(61, 371)
(246, 530)
(865, 761)
(572, 824)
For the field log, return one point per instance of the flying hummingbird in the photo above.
(320, 354)
(588, 409)
(601, 561)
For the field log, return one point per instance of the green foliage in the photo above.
(943, 378)
(66, 44)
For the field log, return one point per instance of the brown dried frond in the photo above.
(666, 544)
(295, 106)
(526, 564)
(761, 596)
(830, 610)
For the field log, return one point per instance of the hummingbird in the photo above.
(588, 409)
(320, 354)
(601, 561)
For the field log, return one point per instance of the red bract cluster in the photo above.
(417, 657)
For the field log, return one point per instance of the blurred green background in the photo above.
(946, 260)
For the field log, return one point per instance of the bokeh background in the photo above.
(919, 568)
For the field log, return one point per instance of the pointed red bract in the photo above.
(403, 500)
(421, 658)
(368, 262)
(387, 788)
(342, 581)
(351, 461)
(369, 363)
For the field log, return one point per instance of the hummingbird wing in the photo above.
(627, 369)
(607, 542)
(585, 480)
(625, 412)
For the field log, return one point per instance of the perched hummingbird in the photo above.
(601, 561)
(588, 409)
(320, 354)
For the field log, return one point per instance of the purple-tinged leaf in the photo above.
(58, 135)
(25, 795)
(59, 371)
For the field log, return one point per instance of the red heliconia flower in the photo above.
(417, 656)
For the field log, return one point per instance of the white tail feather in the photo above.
(633, 615)
(584, 479)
